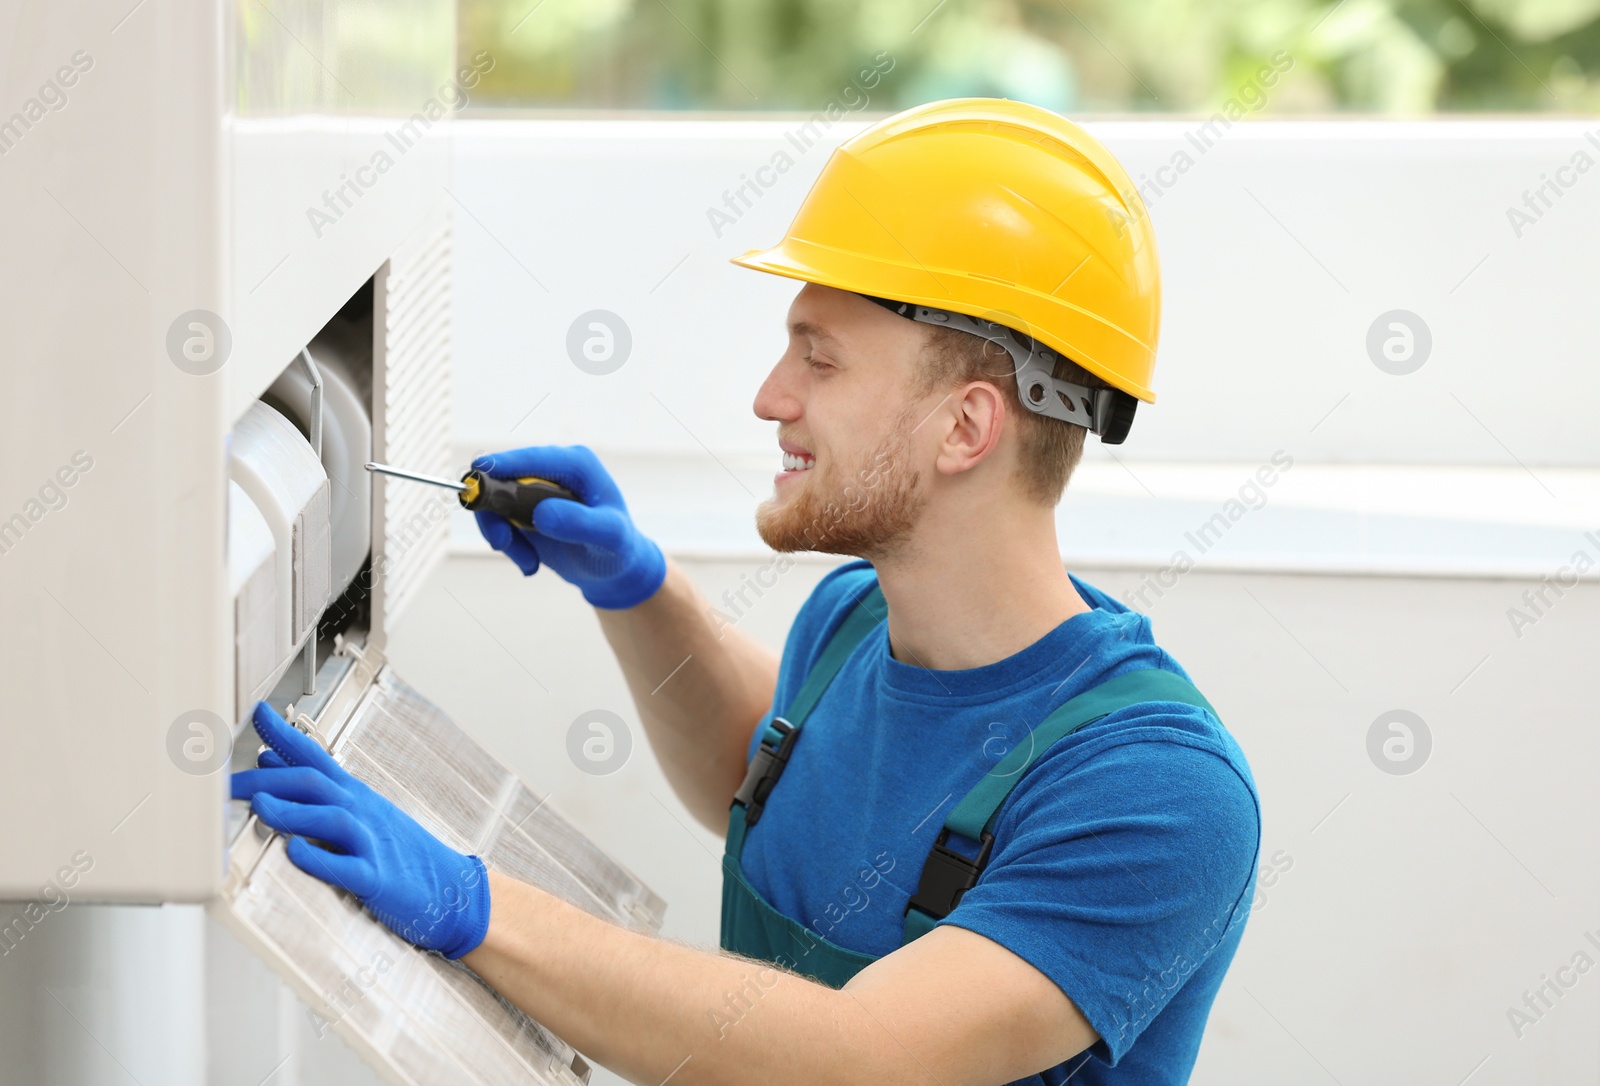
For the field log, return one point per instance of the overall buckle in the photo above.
(947, 875)
(765, 769)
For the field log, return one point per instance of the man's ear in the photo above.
(970, 420)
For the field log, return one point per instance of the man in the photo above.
(981, 824)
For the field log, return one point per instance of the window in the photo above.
(1279, 57)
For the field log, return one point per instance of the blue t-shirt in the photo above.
(1123, 862)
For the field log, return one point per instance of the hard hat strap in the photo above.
(1107, 412)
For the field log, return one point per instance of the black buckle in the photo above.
(765, 769)
(947, 875)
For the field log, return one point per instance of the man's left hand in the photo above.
(422, 889)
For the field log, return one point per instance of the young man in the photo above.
(981, 826)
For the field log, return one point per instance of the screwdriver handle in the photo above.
(513, 499)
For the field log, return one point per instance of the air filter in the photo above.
(407, 748)
(416, 1018)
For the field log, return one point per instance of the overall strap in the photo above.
(947, 874)
(779, 739)
(863, 618)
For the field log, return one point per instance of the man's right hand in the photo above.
(591, 543)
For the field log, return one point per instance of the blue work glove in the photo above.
(422, 889)
(591, 543)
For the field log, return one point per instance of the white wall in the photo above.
(1279, 247)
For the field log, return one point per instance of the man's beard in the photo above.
(862, 512)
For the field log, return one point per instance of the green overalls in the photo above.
(753, 928)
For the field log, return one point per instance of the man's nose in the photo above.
(774, 401)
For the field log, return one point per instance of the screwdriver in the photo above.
(513, 499)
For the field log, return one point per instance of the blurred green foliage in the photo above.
(1184, 56)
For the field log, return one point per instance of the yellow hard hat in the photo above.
(994, 216)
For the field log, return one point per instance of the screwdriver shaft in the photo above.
(450, 484)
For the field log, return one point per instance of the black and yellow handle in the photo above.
(513, 499)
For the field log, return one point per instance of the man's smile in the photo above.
(796, 460)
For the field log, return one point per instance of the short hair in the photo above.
(1049, 448)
